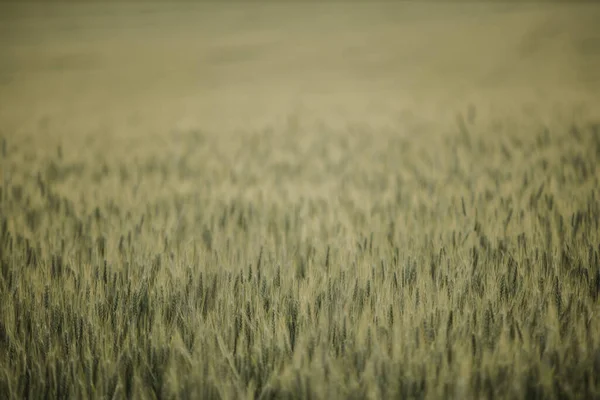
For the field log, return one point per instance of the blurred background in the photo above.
(153, 66)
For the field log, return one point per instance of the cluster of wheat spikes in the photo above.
(305, 262)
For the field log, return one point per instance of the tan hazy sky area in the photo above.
(149, 68)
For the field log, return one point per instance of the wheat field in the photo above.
(299, 201)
